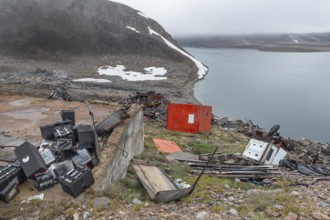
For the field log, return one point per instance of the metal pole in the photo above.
(200, 175)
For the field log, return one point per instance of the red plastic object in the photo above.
(189, 118)
(166, 146)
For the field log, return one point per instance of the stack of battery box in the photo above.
(11, 177)
(65, 156)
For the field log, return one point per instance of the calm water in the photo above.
(290, 89)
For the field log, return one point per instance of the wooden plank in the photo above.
(184, 157)
(156, 178)
(158, 184)
(144, 181)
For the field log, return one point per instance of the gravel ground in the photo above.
(38, 78)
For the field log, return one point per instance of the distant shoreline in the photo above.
(292, 48)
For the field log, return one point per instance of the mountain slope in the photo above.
(79, 39)
(48, 28)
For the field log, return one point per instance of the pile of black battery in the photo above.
(66, 155)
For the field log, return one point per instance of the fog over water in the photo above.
(290, 89)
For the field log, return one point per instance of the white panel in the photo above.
(191, 119)
(273, 153)
(279, 156)
(255, 149)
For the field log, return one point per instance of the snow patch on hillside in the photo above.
(143, 15)
(92, 80)
(151, 73)
(133, 29)
(202, 70)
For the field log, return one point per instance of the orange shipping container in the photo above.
(189, 118)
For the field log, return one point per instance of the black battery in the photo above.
(66, 148)
(82, 158)
(87, 177)
(68, 115)
(62, 131)
(47, 131)
(44, 181)
(60, 169)
(76, 181)
(86, 136)
(30, 159)
(9, 191)
(11, 172)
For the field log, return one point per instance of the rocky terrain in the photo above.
(75, 38)
(45, 45)
(292, 196)
(309, 42)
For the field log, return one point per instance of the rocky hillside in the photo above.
(46, 28)
(77, 38)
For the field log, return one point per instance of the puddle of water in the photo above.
(20, 102)
(31, 114)
(9, 141)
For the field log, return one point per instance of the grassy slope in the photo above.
(211, 192)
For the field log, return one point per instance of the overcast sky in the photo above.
(186, 17)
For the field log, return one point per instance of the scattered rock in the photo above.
(136, 202)
(75, 216)
(291, 216)
(101, 201)
(237, 180)
(233, 212)
(231, 198)
(294, 193)
(226, 186)
(201, 215)
(86, 215)
(36, 213)
(303, 141)
(172, 215)
(323, 204)
(278, 207)
(146, 204)
(320, 216)
(274, 214)
(250, 214)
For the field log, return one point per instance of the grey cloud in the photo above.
(185, 17)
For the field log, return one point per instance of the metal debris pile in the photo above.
(302, 151)
(154, 105)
